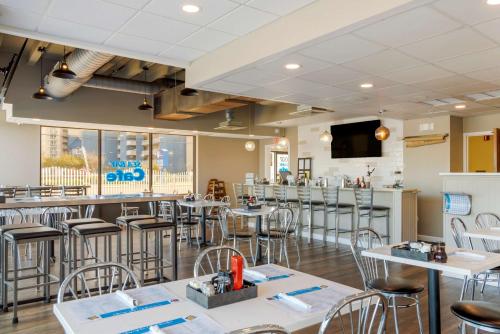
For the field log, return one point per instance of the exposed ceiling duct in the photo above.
(230, 124)
(129, 86)
(84, 63)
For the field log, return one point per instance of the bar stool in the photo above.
(479, 315)
(145, 226)
(16, 237)
(85, 232)
(123, 222)
(333, 206)
(307, 204)
(366, 209)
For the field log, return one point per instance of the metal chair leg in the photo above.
(15, 320)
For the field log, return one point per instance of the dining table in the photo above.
(460, 262)
(82, 315)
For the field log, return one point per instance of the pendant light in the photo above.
(145, 105)
(63, 71)
(250, 145)
(325, 137)
(189, 92)
(382, 133)
(41, 94)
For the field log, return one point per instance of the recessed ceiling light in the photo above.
(191, 8)
(366, 85)
(493, 2)
(460, 106)
(292, 66)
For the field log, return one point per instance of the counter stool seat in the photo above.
(375, 208)
(96, 228)
(145, 224)
(395, 285)
(32, 233)
(478, 313)
(9, 227)
(127, 219)
(341, 205)
(70, 223)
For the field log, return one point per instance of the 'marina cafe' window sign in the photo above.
(135, 172)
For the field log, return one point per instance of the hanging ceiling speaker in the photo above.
(189, 92)
(63, 72)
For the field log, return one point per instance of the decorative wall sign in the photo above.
(126, 171)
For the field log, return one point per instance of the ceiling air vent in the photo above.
(444, 102)
(230, 124)
(303, 109)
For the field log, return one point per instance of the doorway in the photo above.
(479, 152)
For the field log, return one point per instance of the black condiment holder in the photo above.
(248, 291)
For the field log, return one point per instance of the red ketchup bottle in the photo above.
(237, 269)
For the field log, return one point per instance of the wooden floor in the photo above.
(316, 259)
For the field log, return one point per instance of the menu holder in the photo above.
(406, 252)
(248, 291)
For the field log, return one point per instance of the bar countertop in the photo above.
(346, 189)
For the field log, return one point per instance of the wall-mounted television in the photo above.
(355, 140)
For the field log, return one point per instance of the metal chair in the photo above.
(124, 223)
(282, 226)
(376, 276)
(259, 191)
(366, 209)
(366, 304)
(306, 203)
(488, 220)
(107, 276)
(227, 223)
(186, 226)
(480, 315)
(129, 210)
(212, 256)
(238, 193)
(333, 206)
(261, 329)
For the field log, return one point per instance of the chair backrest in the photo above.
(227, 222)
(282, 221)
(370, 317)
(458, 228)
(211, 260)
(330, 195)
(259, 191)
(369, 267)
(279, 193)
(166, 211)
(209, 197)
(304, 194)
(13, 216)
(364, 197)
(97, 279)
(55, 215)
(261, 329)
(226, 199)
(238, 193)
(488, 220)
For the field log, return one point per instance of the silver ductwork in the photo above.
(84, 63)
(124, 85)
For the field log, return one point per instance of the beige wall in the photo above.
(486, 122)
(293, 149)
(224, 159)
(19, 153)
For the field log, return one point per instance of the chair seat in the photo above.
(242, 235)
(272, 234)
(96, 228)
(375, 208)
(478, 312)
(70, 223)
(32, 233)
(146, 224)
(494, 270)
(341, 205)
(127, 219)
(9, 227)
(395, 285)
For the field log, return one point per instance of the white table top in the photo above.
(201, 203)
(484, 233)
(247, 313)
(462, 262)
(39, 202)
(264, 211)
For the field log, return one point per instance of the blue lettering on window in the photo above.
(138, 174)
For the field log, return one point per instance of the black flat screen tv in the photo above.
(355, 140)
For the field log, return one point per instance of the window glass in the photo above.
(69, 158)
(172, 163)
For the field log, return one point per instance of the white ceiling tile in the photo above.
(94, 13)
(452, 44)
(243, 20)
(398, 90)
(207, 39)
(350, 99)
(136, 44)
(472, 62)
(136, 4)
(490, 29)
(77, 31)
(408, 27)
(19, 19)
(454, 80)
(377, 82)
(342, 49)
(37, 6)
(255, 77)
(227, 87)
(158, 28)
(298, 98)
(488, 74)
(210, 10)
(307, 65)
(418, 96)
(295, 86)
(407, 107)
(468, 11)
(469, 88)
(333, 75)
(383, 62)
(182, 53)
(329, 92)
(417, 74)
(279, 7)
(263, 93)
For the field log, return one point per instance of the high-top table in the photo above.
(202, 205)
(252, 312)
(462, 262)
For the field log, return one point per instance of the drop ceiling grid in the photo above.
(424, 69)
(105, 22)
